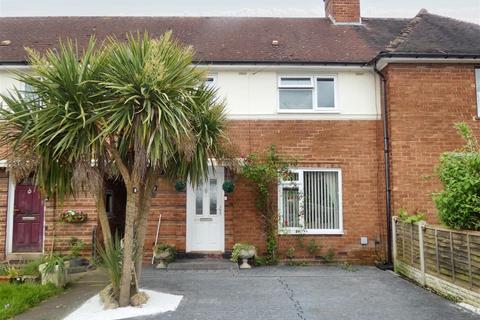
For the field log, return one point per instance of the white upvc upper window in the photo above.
(477, 78)
(311, 202)
(305, 93)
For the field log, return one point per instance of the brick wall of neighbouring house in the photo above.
(425, 101)
(3, 211)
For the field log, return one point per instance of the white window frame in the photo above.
(300, 184)
(477, 89)
(313, 87)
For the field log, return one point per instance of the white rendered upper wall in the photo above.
(252, 93)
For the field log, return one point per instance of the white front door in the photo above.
(205, 214)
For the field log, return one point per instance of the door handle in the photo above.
(219, 209)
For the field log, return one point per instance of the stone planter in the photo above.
(246, 254)
(58, 277)
(163, 257)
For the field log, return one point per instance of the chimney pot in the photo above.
(343, 11)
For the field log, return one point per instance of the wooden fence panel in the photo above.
(451, 255)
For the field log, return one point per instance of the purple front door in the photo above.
(27, 219)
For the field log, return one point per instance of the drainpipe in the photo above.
(386, 152)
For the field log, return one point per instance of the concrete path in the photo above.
(290, 293)
(83, 287)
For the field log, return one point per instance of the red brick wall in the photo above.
(348, 145)
(3, 211)
(425, 101)
(343, 11)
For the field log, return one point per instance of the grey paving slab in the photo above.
(299, 293)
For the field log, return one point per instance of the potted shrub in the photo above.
(74, 256)
(14, 275)
(243, 251)
(53, 270)
(165, 254)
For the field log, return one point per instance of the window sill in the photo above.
(328, 111)
(298, 232)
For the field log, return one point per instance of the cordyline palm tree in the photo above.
(138, 106)
(50, 130)
(161, 120)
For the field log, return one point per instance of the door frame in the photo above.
(12, 183)
(189, 217)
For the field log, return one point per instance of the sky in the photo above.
(468, 10)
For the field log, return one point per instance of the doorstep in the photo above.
(23, 256)
(202, 264)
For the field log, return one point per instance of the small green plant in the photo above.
(111, 262)
(31, 268)
(313, 248)
(349, 267)
(237, 247)
(329, 256)
(76, 247)
(260, 261)
(12, 272)
(52, 261)
(405, 217)
(161, 247)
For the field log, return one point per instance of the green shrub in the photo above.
(111, 261)
(458, 204)
(237, 247)
(405, 217)
(166, 247)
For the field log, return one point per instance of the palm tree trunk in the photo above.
(146, 201)
(102, 217)
(128, 245)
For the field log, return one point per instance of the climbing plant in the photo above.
(265, 170)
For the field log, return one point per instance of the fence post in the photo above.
(470, 279)
(421, 227)
(394, 241)
(452, 259)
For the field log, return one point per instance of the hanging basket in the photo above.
(72, 216)
(228, 186)
(180, 186)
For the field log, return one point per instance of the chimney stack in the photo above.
(343, 11)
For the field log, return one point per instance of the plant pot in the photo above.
(16, 280)
(163, 257)
(246, 254)
(58, 276)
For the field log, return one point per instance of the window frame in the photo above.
(477, 90)
(313, 87)
(300, 184)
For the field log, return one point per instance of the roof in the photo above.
(249, 39)
(430, 34)
(215, 39)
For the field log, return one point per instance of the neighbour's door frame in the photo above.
(12, 183)
(189, 217)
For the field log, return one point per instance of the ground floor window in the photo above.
(311, 202)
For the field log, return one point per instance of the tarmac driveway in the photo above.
(299, 293)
